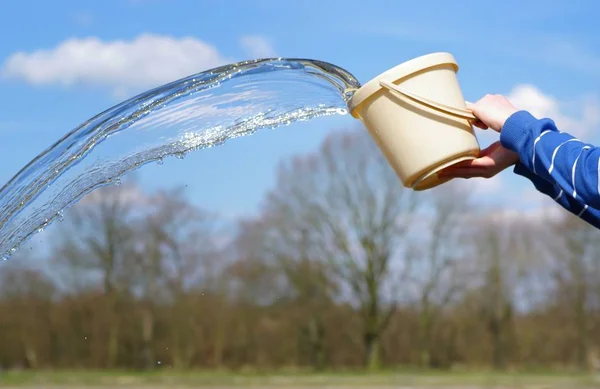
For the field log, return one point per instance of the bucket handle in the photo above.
(462, 113)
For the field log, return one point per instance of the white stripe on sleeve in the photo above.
(573, 171)
(556, 151)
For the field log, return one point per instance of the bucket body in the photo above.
(422, 127)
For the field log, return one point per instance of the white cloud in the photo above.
(580, 123)
(257, 47)
(144, 62)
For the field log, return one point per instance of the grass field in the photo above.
(225, 380)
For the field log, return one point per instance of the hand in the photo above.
(491, 161)
(492, 111)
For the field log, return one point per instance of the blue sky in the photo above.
(545, 55)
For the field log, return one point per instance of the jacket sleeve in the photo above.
(552, 190)
(568, 164)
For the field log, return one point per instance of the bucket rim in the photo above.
(398, 72)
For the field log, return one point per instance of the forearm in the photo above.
(559, 158)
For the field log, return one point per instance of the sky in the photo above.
(62, 62)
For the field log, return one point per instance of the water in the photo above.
(199, 111)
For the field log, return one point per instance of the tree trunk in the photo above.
(496, 338)
(183, 337)
(147, 338)
(316, 340)
(499, 328)
(372, 348)
(113, 343)
(219, 343)
(424, 336)
(30, 356)
(581, 325)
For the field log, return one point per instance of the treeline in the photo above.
(341, 268)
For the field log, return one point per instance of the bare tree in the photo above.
(179, 247)
(96, 244)
(28, 295)
(348, 206)
(307, 284)
(501, 246)
(576, 276)
(441, 251)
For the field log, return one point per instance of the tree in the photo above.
(179, 246)
(97, 244)
(576, 276)
(501, 245)
(347, 205)
(308, 287)
(441, 252)
(28, 296)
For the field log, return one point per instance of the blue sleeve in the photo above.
(568, 165)
(585, 212)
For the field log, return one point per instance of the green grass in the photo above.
(169, 378)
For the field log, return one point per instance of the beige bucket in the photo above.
(416, 114)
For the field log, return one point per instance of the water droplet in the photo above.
(180, 155)
(160, 161)
(14, 249)
(118, 182)
(61, 217)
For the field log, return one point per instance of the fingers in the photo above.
(480, 167)
(485, 159)
(463, 172)
(468, 172)
(486, 165)
(483, 162)
(479, 124)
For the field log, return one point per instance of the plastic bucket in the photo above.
(416, 114)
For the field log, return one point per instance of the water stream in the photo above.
(199, 111)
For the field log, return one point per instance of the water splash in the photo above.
(199, 111)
